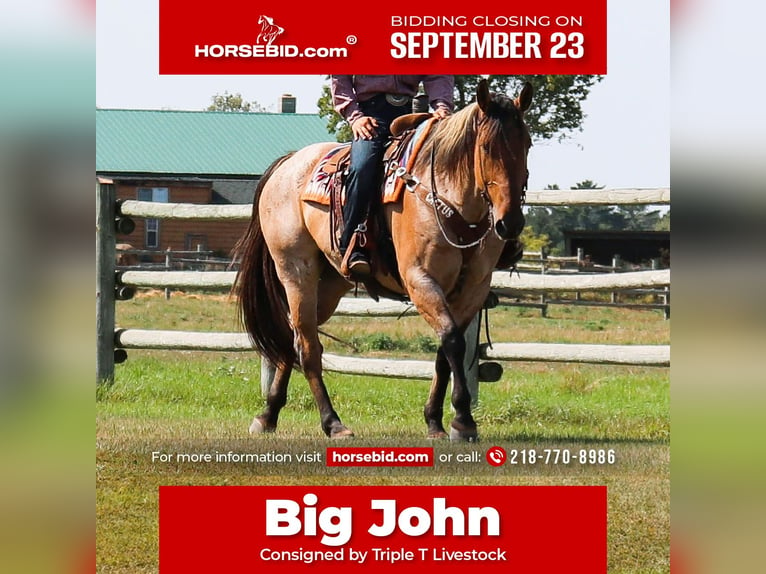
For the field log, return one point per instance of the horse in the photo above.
(269, 30)
(289, 279)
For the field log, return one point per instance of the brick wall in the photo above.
(218, 236)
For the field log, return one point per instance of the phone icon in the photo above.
(496, 456)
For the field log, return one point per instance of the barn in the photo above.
(194, 157)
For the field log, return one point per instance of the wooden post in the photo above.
(268, 371)
(168, 267)
(105, 280)
(580, 264)
(471, 359)
(199, 258)
(616, 265)
(543, 262)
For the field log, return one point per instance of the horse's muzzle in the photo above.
(510, 226)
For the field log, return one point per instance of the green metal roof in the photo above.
(199, 143)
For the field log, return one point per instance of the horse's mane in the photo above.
(453, 142)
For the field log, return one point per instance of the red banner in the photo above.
(245, 37)
(508, 529)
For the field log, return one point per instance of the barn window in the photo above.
(152, 227)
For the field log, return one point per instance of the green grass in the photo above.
(195, 401)
(530, 401)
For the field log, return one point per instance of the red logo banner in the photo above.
(508, 529)
(548, 37)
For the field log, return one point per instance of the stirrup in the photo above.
(356, 264)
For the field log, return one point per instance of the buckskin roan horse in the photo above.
(289, 282)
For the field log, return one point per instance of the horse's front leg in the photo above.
(462, 427)
(431, 303)
(434, 409)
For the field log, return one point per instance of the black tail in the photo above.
(261, 296)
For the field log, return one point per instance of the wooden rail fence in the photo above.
(111, 285)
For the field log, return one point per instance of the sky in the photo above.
(624, 143)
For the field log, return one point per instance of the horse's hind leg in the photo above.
(301, 281)
(276, 399)
(331, 288)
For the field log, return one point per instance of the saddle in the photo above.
(402, 129)
(376, 238)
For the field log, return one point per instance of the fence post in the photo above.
(106, 212)
(616, 265)
(471, 359)
(168, 267)
(268, 371)
(543, 263)
(580, 265)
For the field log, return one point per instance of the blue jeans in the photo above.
(365, 171)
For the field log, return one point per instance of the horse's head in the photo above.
(500, 156)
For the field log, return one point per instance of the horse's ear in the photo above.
(482, 95)
(525, 97)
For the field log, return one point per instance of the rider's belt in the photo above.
(398, 99)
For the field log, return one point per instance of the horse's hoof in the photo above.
(258, 427)
(437, 435)
(463, 435)
(342, 433)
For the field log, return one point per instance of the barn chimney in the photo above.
(287, 104)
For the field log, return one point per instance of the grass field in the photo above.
(203, 402)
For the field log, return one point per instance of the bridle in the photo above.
(447, 215)
(485, 187)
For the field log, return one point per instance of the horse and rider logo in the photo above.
(269, 30)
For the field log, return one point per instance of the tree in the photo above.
(640, 218)
(556, 108)
(227, 102)
(335, 123)
(533, 241)
(663, 223)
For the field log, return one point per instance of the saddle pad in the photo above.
(318, 189)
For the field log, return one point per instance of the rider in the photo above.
(369, 104)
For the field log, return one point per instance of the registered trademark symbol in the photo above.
(351, 39)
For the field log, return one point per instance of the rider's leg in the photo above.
(364, 178)
(361, 185)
